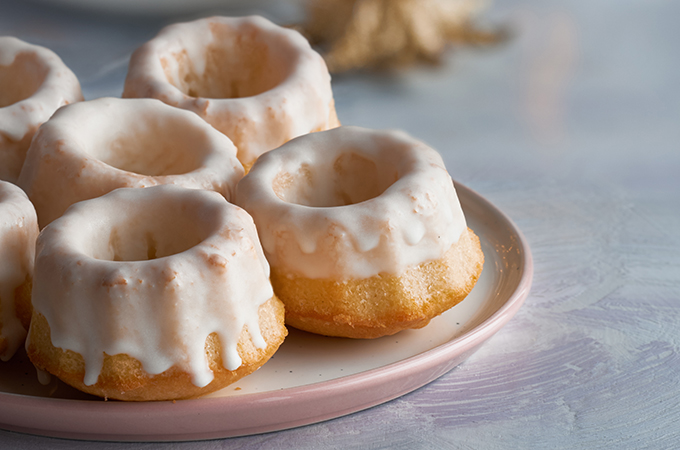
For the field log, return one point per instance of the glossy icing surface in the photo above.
(352, 203)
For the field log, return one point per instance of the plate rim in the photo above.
(434, 362)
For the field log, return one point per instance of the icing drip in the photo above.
(151, 273)
(352, 203)
(44, 378)
(18, 231)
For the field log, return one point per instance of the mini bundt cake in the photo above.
(256, 82)
(363, 231)
(90, 148)
(34, 83)
(152, 294)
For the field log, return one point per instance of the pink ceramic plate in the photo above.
(310, 379)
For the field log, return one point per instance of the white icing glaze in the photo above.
(44, 378)
(101, 294)
(34, 82)
(90, 148)
(18, 232)
(352, 203)
(256, 82)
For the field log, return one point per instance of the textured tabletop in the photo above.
(572, 128)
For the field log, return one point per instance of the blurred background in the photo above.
(573, 77)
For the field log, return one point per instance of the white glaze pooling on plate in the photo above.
(18, 232)
(34, 82)
(101, 294)
(90, 148)
(352, 203)
(256, 82)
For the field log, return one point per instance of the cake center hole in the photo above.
(153, 146)
(151, 232)
(21, 79)
(349, 179)
(235, 64)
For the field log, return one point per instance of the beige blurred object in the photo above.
(388, 33)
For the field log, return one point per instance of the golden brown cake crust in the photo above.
(123, 377)
(383, 304)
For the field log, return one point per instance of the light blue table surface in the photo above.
(572, 128)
